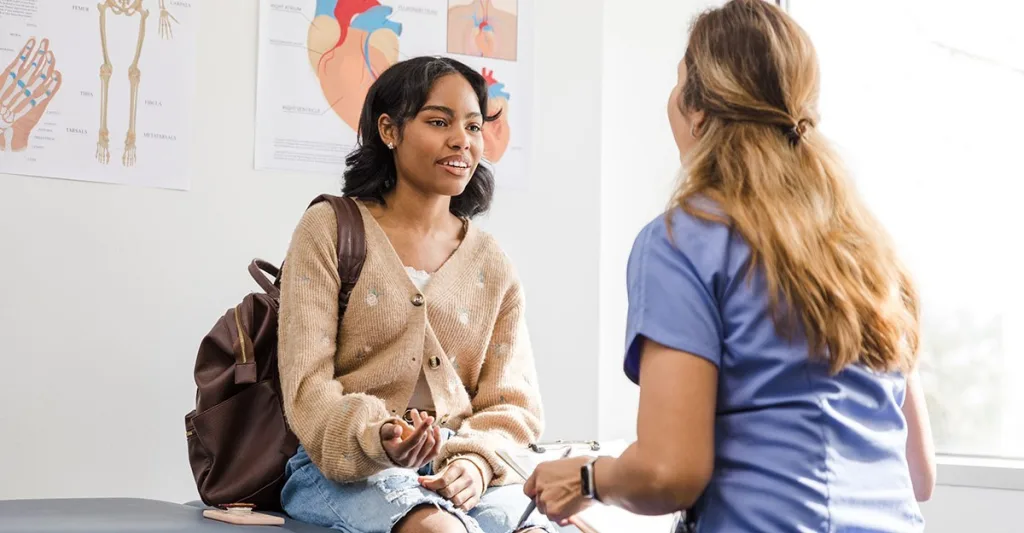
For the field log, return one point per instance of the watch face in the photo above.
(587, 478)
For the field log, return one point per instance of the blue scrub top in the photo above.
(795, 448)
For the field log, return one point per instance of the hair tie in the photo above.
(798, 130)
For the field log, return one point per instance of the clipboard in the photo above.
(598, 518)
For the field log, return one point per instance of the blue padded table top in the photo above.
(122, 515)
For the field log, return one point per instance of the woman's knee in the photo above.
(429, 519)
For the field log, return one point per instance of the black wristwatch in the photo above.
(589, 481)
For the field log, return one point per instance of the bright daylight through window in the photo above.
(925, 101)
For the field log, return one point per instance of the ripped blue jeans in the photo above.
(377, 504)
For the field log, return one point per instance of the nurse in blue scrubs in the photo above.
(772, 330)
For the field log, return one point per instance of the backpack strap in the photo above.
(351, 244)
(351, 256)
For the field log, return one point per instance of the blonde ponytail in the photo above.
(830, 266)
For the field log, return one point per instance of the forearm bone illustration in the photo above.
(128, 8)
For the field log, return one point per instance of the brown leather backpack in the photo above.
(238, 439)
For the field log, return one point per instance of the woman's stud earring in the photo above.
(391, 146)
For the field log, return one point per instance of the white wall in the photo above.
(108, 289)
(639, 166)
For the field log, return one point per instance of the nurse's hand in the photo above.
(557, 488)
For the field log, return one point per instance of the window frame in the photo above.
(969, 471)
(980, 472)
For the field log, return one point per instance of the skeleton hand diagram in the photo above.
(29, 84)
(127, 8)
(165, 22)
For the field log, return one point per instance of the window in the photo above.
(926, 102)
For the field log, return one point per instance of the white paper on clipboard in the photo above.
(598, 518)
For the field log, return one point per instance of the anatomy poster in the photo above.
(98, 90)
(318, 58)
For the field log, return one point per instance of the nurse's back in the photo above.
(796, 447)
(772, 269)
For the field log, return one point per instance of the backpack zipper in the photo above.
(241, 338)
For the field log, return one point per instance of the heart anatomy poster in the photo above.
(98, 90)
(318, 58)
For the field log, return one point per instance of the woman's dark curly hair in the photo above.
(401, 91)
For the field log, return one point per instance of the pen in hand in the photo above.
(533, 503)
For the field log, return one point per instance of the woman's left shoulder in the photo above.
(701, 245)
(680, 231)
(492, 260)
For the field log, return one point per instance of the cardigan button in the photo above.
(417, 300)
(434, 361)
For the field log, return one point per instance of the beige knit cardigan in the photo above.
(466, 331)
